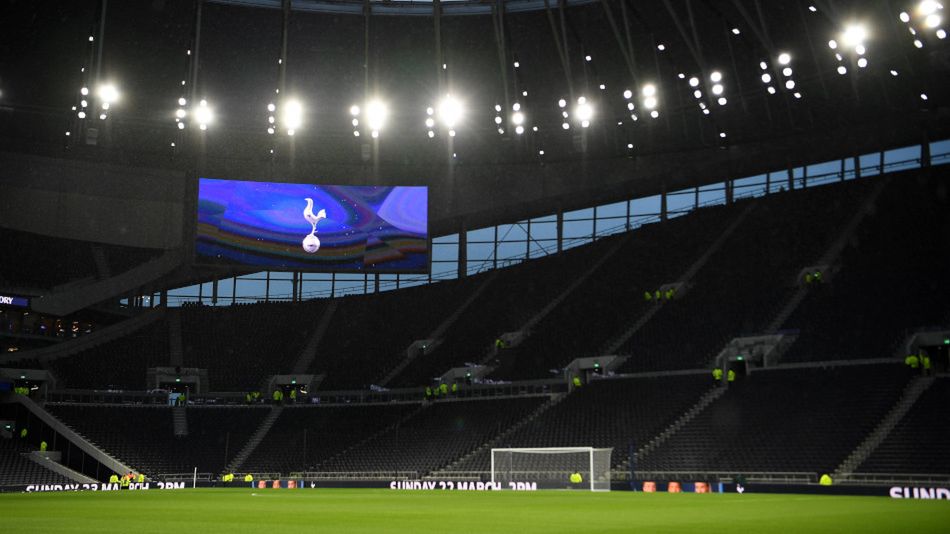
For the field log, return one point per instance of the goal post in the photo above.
(584, 468)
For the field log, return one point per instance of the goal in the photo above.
(552, 467)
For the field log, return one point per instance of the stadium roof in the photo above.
(530, 59)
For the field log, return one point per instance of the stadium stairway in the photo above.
(17, 468)
(912, 391)
(440, 330)
(49, 460)
(309, 351)
(831, 256)
(705, 400)
(180, 421)
(64, 430)
(255, 440)
(88, 341)
(448, 469)
(613, 345)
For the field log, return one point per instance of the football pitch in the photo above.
(381, 511)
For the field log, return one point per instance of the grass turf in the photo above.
(376, 511)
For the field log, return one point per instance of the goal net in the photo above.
(584, 468)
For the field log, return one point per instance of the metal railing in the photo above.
(354, 475)
(769, 477)
(888, 479)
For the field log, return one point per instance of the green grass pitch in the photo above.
(382, 511)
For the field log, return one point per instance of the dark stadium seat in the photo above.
(920, 441)
(618, 413)
(795, 420)
(310, 435)
(434, 436)
(898, 261)
(143, 437)
(16, 470)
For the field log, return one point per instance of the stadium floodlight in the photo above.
(932, 20)
(203, 114)
(182, 101)
(84, 91)
(451, 111)
(627, 94)
(784, 58)
(715, 77)
(354, 110)
(291, 115)
(376, 114)
(107, 93)
(854, 35)
(928, 7)
(517, 118)
(583, 111)
(694, 82)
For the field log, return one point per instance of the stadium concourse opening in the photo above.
(378, 266)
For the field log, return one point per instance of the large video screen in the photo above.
(280, 226)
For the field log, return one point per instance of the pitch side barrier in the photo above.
(894, 492)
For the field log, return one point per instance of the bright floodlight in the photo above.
(784, 58)
(716, 76)
(649, 90)
(376, 113)
(517, 118)
(932, 20)
(450, 111)
(292, 115)
(584, 111)
(108, 93)
(203, 115)
(854, 35)
(928, 7)
(354, 110)
(694, 81)
(627, 94)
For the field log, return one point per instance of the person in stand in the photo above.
(114, 479)
(455, 388)
(293, 396)
(647, 296)
(444, 389)
(717, 374)
(576, 381)
(912, 361)
(731, 376)
(248, 478)
(925, 363)
(23, 433)
(141, 478)
(428, 393)
(43, 446)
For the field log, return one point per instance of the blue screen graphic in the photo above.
(280, 226)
